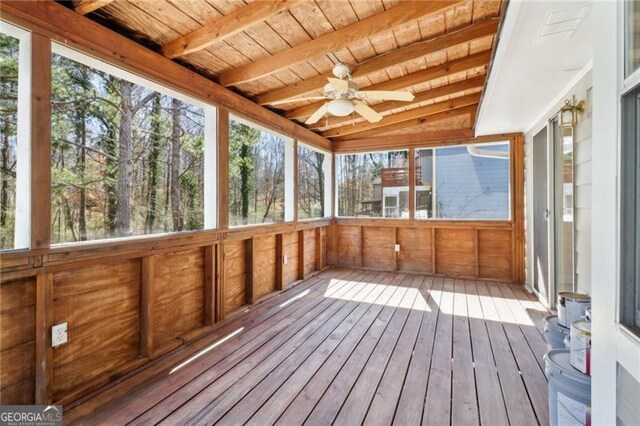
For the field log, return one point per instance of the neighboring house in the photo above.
(468, 185)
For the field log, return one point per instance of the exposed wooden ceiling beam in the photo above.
(423, 139)
(466, 110)
(447, 89)
(394, 57)
(405, 116)
(405, 12)
(448, 68)
(225, 26)
(87, 6)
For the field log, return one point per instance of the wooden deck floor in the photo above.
(351, 347)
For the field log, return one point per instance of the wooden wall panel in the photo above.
(495, 254)
(416, 249)
(178, 295)
(290, 249)
(264, 276)
(378, 247)
(455, 252)
(309, 251)
(235, 269)
(348, 246)
(17, 341)
(101, 304)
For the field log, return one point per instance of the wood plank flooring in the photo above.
(350, 347)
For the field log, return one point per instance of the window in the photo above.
(312, 186)
(14, 138)
(469, 182)
(128, 157)
(256, 174)
(630, 221)
(373, 184)
(632, 37)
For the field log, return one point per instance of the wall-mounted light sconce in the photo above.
(569, 113)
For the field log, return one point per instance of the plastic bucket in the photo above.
(571, 307)
(554, 333)
(569, 391)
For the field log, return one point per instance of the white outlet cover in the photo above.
(397, 248)
(59, 334)
(285, 259)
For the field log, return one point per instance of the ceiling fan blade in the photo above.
(338, 84)
(317, 115)
(385, 95)
(367, 112)
(288, 101)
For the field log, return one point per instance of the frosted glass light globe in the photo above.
(340, 107)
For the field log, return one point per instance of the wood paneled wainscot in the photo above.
(126, 303)
(479, 250)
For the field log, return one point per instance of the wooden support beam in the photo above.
(225, 26)
(40, 142)
(87, 6)
(466, 110)
(443, 70)
(44, 351)
(209, 285)
(417, 140)
(279, 262)
(385, 60)
(434, 247)
(427, 95)
(412, 184)
(361, 264)
(250, 271)
(476, 254)
(395, 253)
(63, 25)
(301, 274)
(223, 167)
(411, 114)
(146, 306)
(518, 210)
(296, 183)
(318, 250)
(331, 42)
(220, 281)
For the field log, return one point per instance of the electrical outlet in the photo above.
(59, 334)
(285, 259)
(397, 248)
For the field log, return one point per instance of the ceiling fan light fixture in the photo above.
(340, 107)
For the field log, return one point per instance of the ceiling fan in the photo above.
(344, 97)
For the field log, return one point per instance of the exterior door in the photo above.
(541, 213)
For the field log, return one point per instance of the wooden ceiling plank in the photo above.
(225, 26)
(336, 40)
(474, 61)
(447, 89)
(405, 116)
(87, 6)
(466, 110)
(403, 54)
